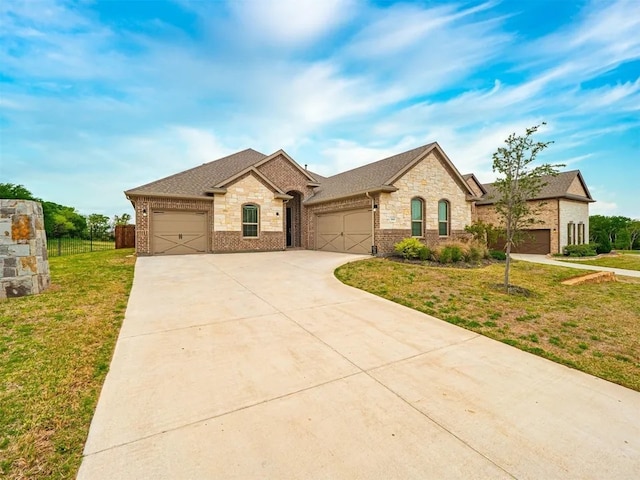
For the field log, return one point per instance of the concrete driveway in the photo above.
(263, 365)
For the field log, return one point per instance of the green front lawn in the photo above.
(55, 350)
(592, 327)
(626, 260)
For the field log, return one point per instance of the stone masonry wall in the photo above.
(24, 265)
(227, 211)
(432, 182)
(576, 213)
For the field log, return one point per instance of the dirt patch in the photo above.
(598, 277)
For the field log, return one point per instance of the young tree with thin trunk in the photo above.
(519, 183)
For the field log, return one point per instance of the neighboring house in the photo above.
(563, 218)
(249, 201)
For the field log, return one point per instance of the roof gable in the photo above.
(198, 180)
(444, 160)
(474, 184)
(284, 154)
(558, 186)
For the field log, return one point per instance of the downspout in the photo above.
(374, 250)
(284, 223)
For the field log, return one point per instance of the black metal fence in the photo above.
(57, 247)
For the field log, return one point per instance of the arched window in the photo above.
(417, 217)
(250, 216)
(443, 218)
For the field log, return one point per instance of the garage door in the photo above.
(177, 233)
(534, 241)
(344, 231)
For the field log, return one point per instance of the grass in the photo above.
(626, 260)
(591, 327)
(55, 350)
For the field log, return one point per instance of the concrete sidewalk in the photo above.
(550, 261)
(263, 365)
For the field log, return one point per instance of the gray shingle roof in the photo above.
(367, 177)
(556, 187)
(197, 180)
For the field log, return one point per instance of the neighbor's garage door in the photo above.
(344, 231)
(534, 241)
(177, 233)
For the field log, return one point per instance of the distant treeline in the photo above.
(617, 232)
(64, 221)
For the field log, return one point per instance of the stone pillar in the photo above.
(24, 265)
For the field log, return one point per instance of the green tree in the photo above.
(610, 230)
(486, 233)
(123, 219)
(61, 221)
(633, 230)
(13, 191)
(520, 182)
(98, 225)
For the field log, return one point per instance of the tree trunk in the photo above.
(507, 266)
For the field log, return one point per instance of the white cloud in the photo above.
(342, 155)
(291, 22)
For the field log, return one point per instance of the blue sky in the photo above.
(99, 97)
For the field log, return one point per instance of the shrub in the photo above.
(604, 246)
(484, 233)
(497, 254)
(424, 253)
(451, 254)
(411, 249)
(586, 250)
(475, 253)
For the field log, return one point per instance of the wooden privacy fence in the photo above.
(125, 236)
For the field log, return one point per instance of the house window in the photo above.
(443, 218)
(250, 220)
(417, 217)
(580, 233)
(571, 233)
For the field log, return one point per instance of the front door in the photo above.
(288, 227)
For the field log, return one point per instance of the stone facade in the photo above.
(431, 181)
(227, 208)
(24, 265)
(572, 215)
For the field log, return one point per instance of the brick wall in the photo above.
(234, 242)
(576, 188)
(145, 205)
(353, 203)
(288, 178)
(547, 219)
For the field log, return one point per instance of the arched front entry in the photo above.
(293, 220)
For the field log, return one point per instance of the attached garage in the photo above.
(178, 233)
(348, 232)
(534, 241)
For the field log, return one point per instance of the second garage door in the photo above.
(348, 232)
(534, 241)
(177, 233)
